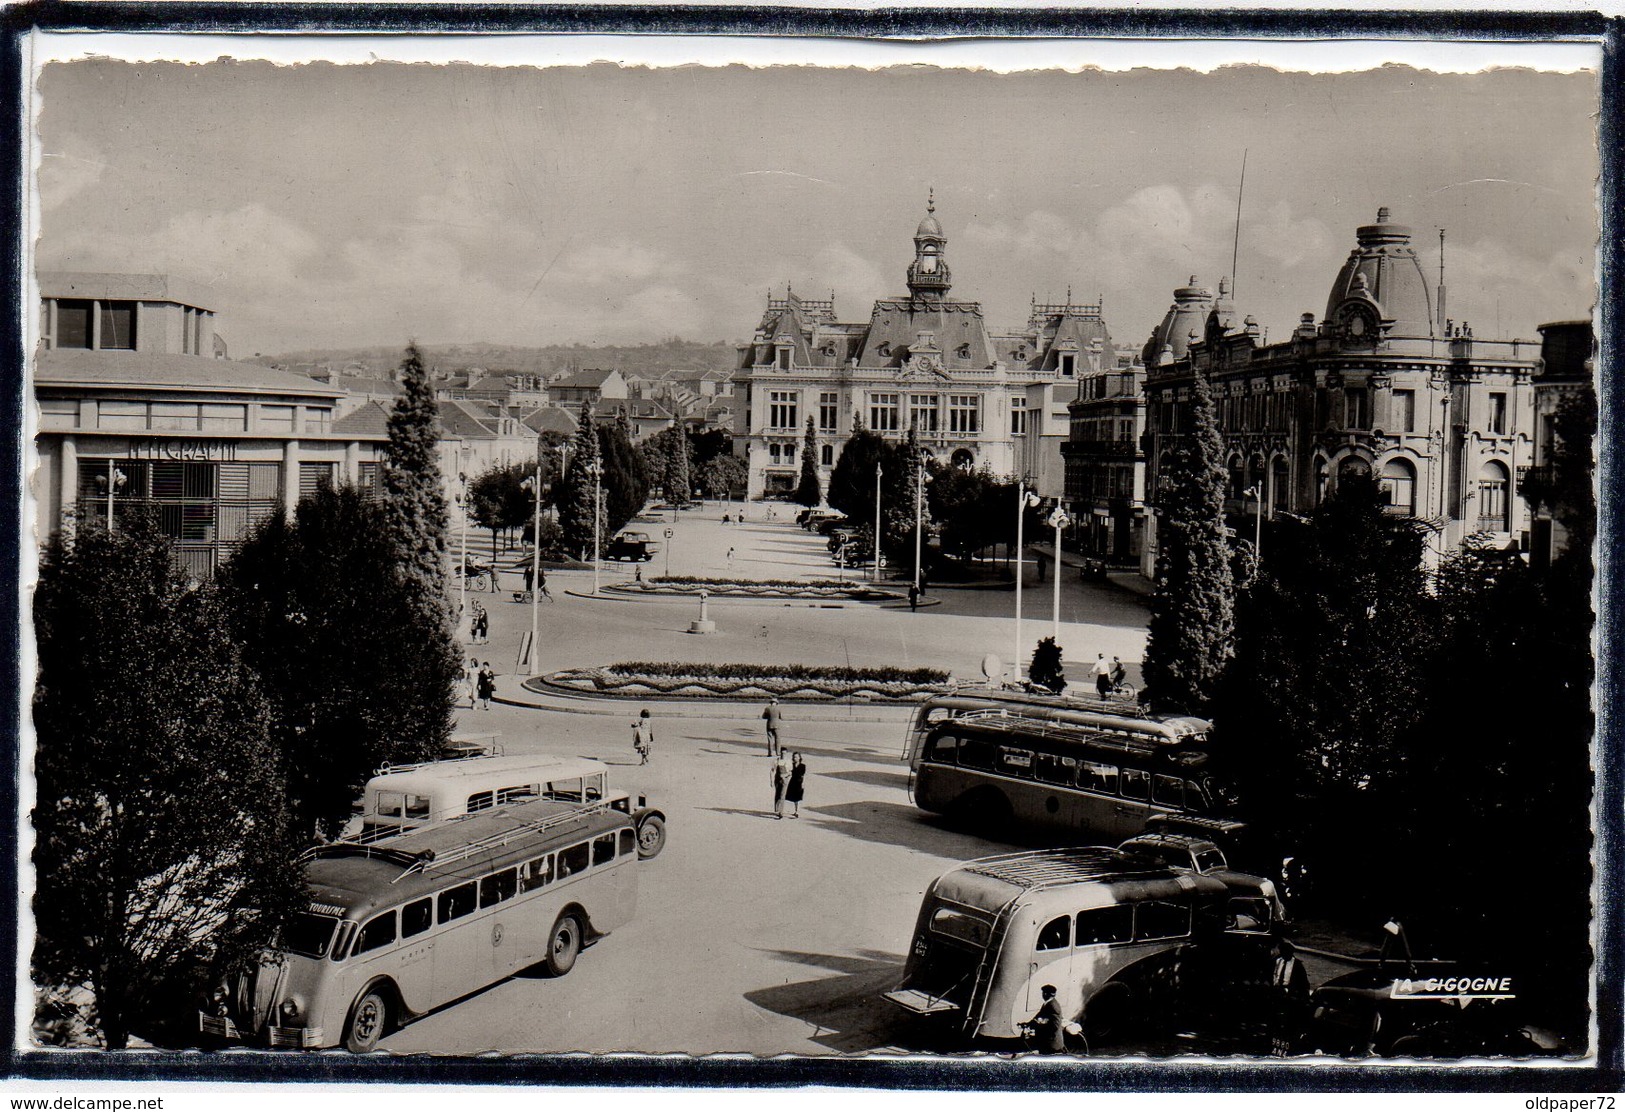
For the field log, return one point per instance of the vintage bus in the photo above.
(405, 797)
(998, 759)
(405, 925)
(1114, 933)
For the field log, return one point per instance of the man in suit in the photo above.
(1289, 989)
(1048, 1025)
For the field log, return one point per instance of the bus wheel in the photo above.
(368, 1021)
(651, 837)
(564, 946)
(1108, 1011)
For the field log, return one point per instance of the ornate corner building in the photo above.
(976, 396)
(1383, 384)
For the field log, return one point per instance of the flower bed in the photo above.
(754, 588)
(673, 680)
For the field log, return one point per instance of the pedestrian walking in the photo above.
(730, 557)
(794, 790)
(643, 736)
(913, 597)
(494, 588)
(781, 784)
(482, 625)
(541, 585)
(1103, 675)
(487, 684)
(771, 716)
(471, 679)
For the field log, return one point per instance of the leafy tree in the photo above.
(414, 495)
(976, 509)
(1045, 669)
(162, 855)
(710, 444)
(808, 491)
(852, 482)
(1192, 611)
(498, 499)
(1329, 682)
(580, 500)
(722, 475)
(900, 512)
(329, 618)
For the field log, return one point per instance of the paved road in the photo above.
(753, 935)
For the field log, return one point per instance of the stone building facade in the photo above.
(978, 396)
(1380, 384)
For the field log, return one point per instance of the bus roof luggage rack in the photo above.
(432, 859)
(1065, 866)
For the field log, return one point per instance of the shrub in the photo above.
(809, 672)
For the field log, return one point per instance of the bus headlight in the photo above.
(290, 1011)
(220, 1001)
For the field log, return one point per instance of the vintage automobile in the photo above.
(1387, 1012)
(632, 546)
(1193, 854)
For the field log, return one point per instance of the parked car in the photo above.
(1093, 567)
(1194, 854)
(632, 546)
(828, 526)
(814, 520)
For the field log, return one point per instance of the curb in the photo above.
(810, 604)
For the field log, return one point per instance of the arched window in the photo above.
(963, 458)
(1280, 480)
(1492, 497)
(826, 454)
(1399, 484)
(1354, 467)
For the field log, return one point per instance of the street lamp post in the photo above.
(876, 574)
(1024, 499)
(596, 469)
(919, 519)
(535, 482)
(1256, 493)
(1060, 520)
(462, 569)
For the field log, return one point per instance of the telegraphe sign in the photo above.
(184, 449)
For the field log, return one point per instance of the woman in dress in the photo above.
(487, 685)
(471, 679)
(793, 790)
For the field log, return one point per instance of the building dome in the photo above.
(1170, 339)
(1384, 270)
(929, 226)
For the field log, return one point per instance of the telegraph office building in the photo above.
(1384, 385)
(139, 406)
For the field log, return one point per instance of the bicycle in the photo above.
(526, 596)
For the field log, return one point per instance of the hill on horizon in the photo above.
(379, 360)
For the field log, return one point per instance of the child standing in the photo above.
(643, 736)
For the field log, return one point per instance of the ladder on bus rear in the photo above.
(983, 984)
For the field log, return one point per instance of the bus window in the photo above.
(567, 790)
(481, 801)
(417, 917)
(603, 849)
(572, 860)
(1055, 770)
(516, 793)
(1209, 859)
(1155, 919)
(1195, 800)
(1015, 762)
(379, 932)
(1249, 915)
(390, 804)
(1168, 791)
(1136, 784)
(1056, 935)
(1096, 777)
(629, 842)
(536, 874)
(957, 924)
(498, 887)
(1103, 925)
(976, 753)
(311, 935)
(457, 902)
(417, 807)
(595, 788)
(942, 749)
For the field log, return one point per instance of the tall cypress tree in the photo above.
(808, 491)
(899, 486)
(416, 500)
(1193, 610)
(679, 486)
(576, 503)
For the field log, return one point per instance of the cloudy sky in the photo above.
(326, 205)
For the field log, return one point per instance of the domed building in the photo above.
(1382, 384)
(977, 395)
